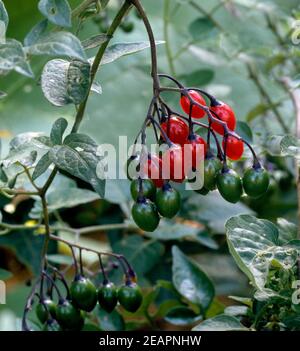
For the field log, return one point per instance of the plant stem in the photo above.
(81, 109)
(97, 61)
(81, 231)
(80, 8)
(166, 36)
(47, 229)
(265, 95)
(154, 70)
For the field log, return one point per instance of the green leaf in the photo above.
(198, 78)
(3, 14)
(168, 230)
(283, 145)
(94, 41)
(4, 274)
(190, 281)
(57, 131)
(110, 321)
(64, 194)
(12, 57)
(253, 243)
(27, 248)
(258, 110)
(60, 259)
(182, 316)
(244, 131)
(42, 165)
(287, 230)
(245, 300)
(65, 82)
(118, 50)
(117, 191)
(142, 254)
(214, 211)
(59, 44)
(221, 322)
(236, 311)
(24, 149)
(78, 81)
(81, 164)
(35, 33)
(56, 11)
(202, 28)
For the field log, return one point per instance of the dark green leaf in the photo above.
(78, 81)
(220, 323)
(36, 32)
(142, 254)
(56, 11)
(41, 167)
(190, 281)
(27, 247)
(197, 78)
(59, 44)
(202, 28)
(63, 194)
(57, 131)
(110, 321)
(214, 211)
(81, 164)
(258, 110)
(244, 131)
(182, 316)
(94, 41)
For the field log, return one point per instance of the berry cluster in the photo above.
(151, 189)
(68, 311)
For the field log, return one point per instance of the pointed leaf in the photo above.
(41, 167)
(12, 57)
(57, 131)
(36, 32)
(58, 43)
(190, 281)
(221, 322)
(56, 11)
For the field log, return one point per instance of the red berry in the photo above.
(176, 129)
(234, 148)
(225, 114)
(197, 154)
(153, 170)
(197, 112)
(173, 166)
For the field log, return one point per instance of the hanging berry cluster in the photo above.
(151, 189)
(67, 310)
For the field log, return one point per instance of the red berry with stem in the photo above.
(152, 169)
(225, 114)
(234, 147)
(197, 112)
(173, 165)
(176, 129)
(198, 153)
